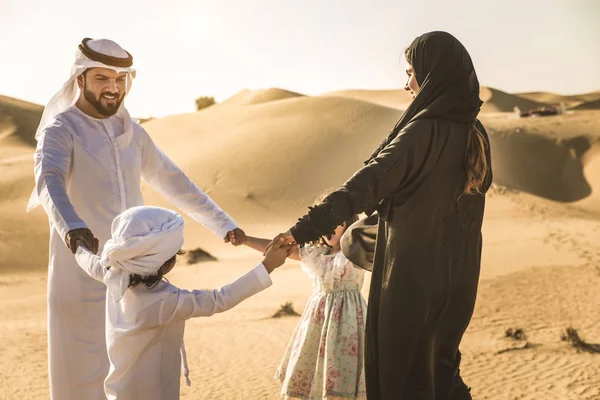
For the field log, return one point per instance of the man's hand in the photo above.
(82, 235)
(287, 237)
(236, 237)
(275, 256)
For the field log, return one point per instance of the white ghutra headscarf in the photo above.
(143, 239)
(99, 53)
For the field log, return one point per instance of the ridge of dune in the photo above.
(549, 97)
(570, 101)
(546, 157)
(7, 127)
(19, 233)
(237, 98)
(588, 105)
(24, 117)
(591, 171)
(393, 98)
(275, 153)
(249, 97)
(495, 100)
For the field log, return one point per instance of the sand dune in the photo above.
(547, 157)
(24, 117)
(591, 171)
(23, 238)
(495, 100)
(398, 98)
(570, 101)
(277, 153)
(588, 105)
(248, 97)
(7, 127)
(263, 164)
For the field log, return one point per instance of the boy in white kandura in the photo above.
(145, 315)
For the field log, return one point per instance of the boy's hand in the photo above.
(275, 256)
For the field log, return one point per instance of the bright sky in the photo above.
(183, 49)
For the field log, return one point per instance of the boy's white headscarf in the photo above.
(99, 53)
(143, 239)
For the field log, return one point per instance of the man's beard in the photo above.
(108, 110)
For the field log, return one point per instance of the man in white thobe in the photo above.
(89, 162)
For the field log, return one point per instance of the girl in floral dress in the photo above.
(325, 356)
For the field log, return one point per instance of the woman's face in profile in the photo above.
(411, 85)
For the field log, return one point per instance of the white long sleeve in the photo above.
(183, 304)
(175, 186)
(90, 263)
(53, 159)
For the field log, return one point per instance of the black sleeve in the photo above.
(399, 162)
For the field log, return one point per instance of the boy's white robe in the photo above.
(144, 330)
(87, 172)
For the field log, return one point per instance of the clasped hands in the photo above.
(285, 240)
(236, 237)
(287, 237)
(82, 236)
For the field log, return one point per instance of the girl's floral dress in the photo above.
(325, 357)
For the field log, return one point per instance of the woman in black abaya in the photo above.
(427, 180)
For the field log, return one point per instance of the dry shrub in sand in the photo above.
(516, 334)
(203, 102)
(571, 336)
(286, 309)
(199, 255)
(519, 335)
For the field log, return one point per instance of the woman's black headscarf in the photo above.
(449, 87)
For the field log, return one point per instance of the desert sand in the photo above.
(263, 156)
